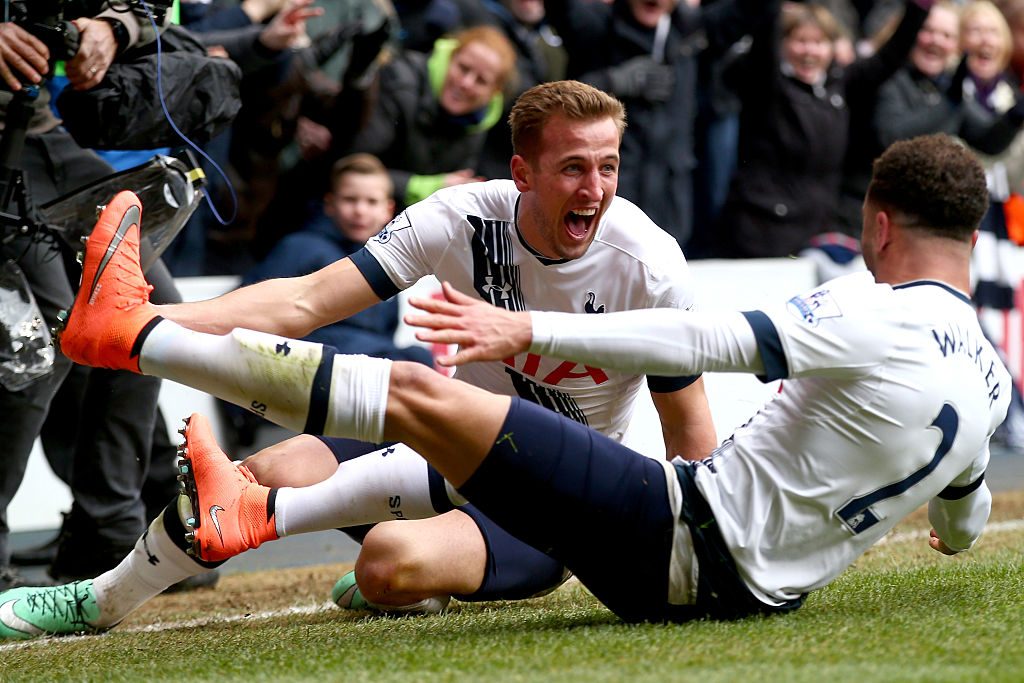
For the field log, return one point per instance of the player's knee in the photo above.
(415, 378)
(300, 461)
(388, 563)
(269, 467)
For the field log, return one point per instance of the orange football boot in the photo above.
(112, 306)
(229, 509)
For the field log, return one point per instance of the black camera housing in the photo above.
(45, 20)
(50, 20)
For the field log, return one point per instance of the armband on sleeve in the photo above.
(957, 492)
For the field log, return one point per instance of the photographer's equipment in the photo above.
(45, 20)
(169, 188)
(201, 95)
(157, 8)
(26, 352)
(48, 19)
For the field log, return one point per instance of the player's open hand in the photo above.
(936, 543)
(482, 331)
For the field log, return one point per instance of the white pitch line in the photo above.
(173, 625)
(994, 527)
(899, 537)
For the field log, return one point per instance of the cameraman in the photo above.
(106, 424)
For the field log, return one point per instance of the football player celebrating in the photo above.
(555, 237)
(892, 394)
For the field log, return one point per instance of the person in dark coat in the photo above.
(645, 53)
(797, 110)
(540, 58)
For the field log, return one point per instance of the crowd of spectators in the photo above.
(752, 125)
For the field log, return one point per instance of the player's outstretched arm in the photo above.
(660, 341)
(482, 331)
(289, 306)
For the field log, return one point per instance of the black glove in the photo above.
(955, 91)
(644, 78)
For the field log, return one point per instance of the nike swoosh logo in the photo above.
(12, 621)
(216, 522)
(130, 218)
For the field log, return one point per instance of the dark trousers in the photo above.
(100, 430)
(587, 500)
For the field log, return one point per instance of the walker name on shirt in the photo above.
(565, 371)
(954, 341)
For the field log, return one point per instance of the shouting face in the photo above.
(567, 184)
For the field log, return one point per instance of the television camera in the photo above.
(50, 20)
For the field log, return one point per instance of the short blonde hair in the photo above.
(988, 10)
(574, 100)
(795, 15)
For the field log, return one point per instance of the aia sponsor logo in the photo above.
(564, 371)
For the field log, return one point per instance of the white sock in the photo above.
(391, 483)
(155, 564)
(359, 398)
(274, 377)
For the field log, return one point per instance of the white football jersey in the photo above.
(890, 395)
(468, 236)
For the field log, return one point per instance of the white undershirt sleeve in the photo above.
(657, 341)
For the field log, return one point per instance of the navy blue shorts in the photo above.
(721, 592)
(603, 510)
(513, 569)
(590, 502)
